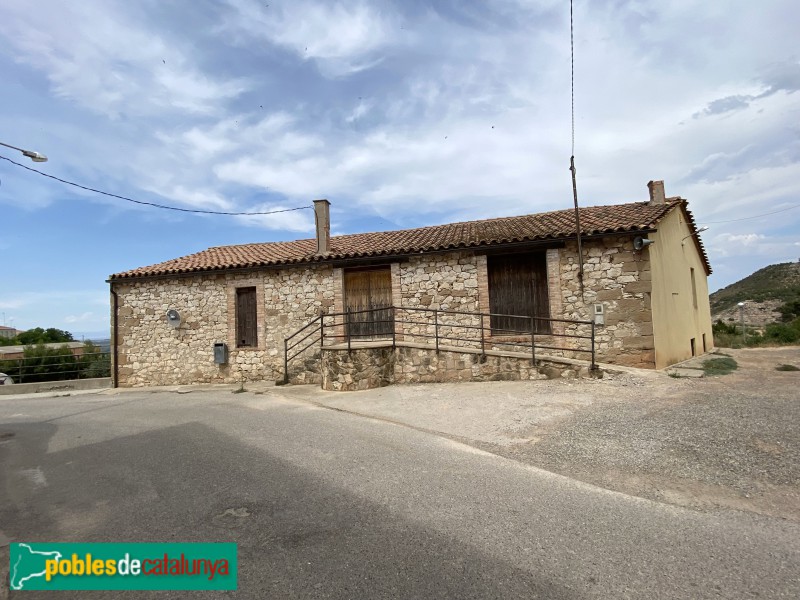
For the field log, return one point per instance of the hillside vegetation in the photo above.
(775, 282)
(772, 292)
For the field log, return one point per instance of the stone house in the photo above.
(7, 332)
(494, 282)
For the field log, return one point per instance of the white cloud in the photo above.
(746, 239)
(296, 221)
(463, 111)
(735, 246)
(57, 308)
(94, 53)
(361, 109)
(81, 318)
(341, 37)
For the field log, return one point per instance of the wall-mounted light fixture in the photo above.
(173, 318)
(703, 228)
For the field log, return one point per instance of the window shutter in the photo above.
(518, 286)
(246, 318)
(369, 290)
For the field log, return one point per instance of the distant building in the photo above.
(15, 352)
(8, 332)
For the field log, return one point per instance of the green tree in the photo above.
(790, 311)
(94, 362)
(37, 335)
(40, 363)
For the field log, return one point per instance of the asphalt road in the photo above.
(324, 504)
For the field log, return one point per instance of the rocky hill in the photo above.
(762, 292)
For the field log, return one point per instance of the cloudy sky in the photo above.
(402, 114)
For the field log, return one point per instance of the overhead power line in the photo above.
(153, 204)
(754, 216)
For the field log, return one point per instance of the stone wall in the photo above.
(367, 368)
(152, 353)
(445, 282)
(618, 277)
(359, 369)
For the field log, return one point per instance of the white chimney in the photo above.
(656, 192)
(322, 216)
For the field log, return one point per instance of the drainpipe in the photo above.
(115, 321)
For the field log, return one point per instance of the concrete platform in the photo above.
(56, 386)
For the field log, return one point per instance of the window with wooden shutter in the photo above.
(518, 291)
(246, 318)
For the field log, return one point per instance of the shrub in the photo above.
(723, 328)
(94, 362)
(782, 333)
(790, 311)
(719, 366)
(40, 363)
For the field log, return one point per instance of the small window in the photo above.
(246, 318)
(694, 288)
(694, 349)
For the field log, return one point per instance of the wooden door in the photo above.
(369, 290)
(246, 318)
(518, 286)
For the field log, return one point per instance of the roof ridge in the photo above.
(609, 219)
(453, 224)
(259, 243)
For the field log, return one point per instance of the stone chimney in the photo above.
(656, 192)
(322, 216)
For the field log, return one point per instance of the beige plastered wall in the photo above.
(676, 320)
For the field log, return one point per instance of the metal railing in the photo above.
(58, 365)
(466, 330)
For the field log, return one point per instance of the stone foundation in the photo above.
(361, 369)
(367, 368)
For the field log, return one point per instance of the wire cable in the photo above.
(153, 204)
(754, 216)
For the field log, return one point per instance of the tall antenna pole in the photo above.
(572, 157)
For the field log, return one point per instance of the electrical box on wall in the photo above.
(220, 353)
(599, 314)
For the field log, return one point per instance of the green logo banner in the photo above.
(35, 566)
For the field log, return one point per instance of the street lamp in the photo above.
(34, 156)
(741, 318)
(700, 230)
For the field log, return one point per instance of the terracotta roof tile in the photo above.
(556, 225)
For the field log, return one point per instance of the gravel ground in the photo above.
(729, 441)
